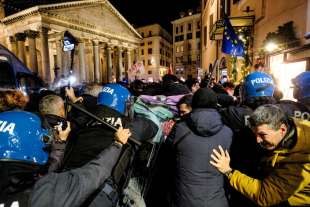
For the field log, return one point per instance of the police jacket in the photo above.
(294, 109)
(196, 182)
(70, 188)
(288, 177)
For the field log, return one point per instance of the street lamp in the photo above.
(271, 46)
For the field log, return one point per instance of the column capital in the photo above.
(95, 42)
(31, 34)
(20, 36)
(44, 29)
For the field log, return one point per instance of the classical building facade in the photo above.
(155, 51)
(267, 23)
(186, 45)
(105, 40)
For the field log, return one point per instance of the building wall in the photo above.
(186, 51)
(158, 41)
(269, 15)
(210, 47)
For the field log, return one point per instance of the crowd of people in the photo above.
(173, 143)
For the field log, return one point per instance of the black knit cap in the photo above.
(204, 98)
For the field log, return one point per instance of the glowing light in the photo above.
(271, 46)
(72, 79)
(284, 72)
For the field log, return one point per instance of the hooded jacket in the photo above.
(289, 174)
(197, 183)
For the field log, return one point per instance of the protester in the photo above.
(185, 105)
(244, 151)
(192, 84)
(197, 184)
(11, 99)
(171, 86)
(286, 178)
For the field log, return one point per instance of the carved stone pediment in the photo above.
(97, 17)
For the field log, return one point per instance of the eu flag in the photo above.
(231, 43)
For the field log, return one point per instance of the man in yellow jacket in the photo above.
(287, 164)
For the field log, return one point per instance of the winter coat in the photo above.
(197, 183)
(289, 173)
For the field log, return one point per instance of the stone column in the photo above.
(96, 60)
(13, 46)
(128, 65)
(46, 71)
(120, 65)
(82, 61)
(2, 10)
(109, 63)
(33, 62)
(20, 38)
(59, 57)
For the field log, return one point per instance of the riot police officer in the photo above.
(301, 92)
(23, 159)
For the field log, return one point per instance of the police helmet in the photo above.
(258, 84)
(114, 96)
(302, 85)
(22, 138)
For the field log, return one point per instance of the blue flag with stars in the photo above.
(231, 44)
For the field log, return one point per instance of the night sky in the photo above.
(137, 12)
(144, 12)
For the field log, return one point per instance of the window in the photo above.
(205, 36)
(177, 30)
(149, 72)
(150, 51)
(149, 43)
(167, 64)
(142, 34)
(160, 51)
(198, 57)
(181, 28)
(189, 36)
(189, 59)
(189, 27)
(142, 44)
(167, 54)
(198, 45)
(150, 33)
(149, 62)
(142, 51)
(179, 38)
(143, 62)
(181, 48)
(177, 49)
(198, 34)
(225, 8)
(161, 62)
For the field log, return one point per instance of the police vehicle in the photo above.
(14, 74)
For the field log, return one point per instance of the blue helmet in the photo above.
(114, 96)
(258, 84)
(302, 85)
(22, 138)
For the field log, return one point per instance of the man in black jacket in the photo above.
(196, 182)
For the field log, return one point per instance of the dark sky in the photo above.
(137, 12)
(144, 12)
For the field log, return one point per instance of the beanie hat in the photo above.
(204, 98)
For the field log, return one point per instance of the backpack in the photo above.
(156, 113)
